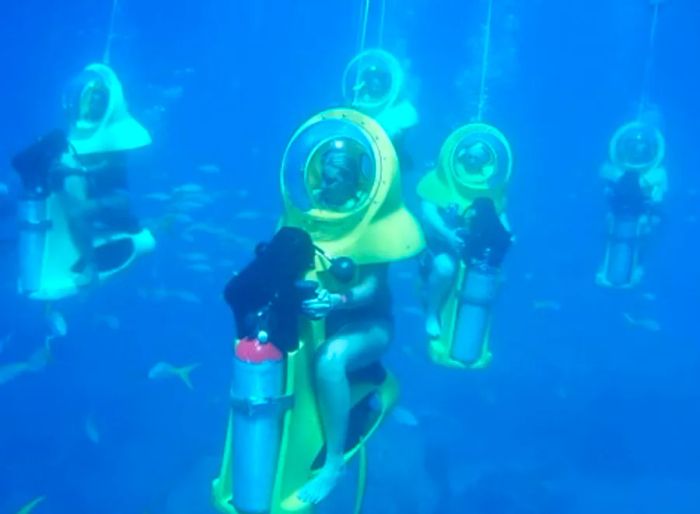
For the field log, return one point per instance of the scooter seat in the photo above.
(374, 373)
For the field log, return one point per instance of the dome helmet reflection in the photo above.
(637, 146)
(99, 120)
(373, 80)
(374, 83)
(86, 100)
(339, 174)
(474, 157)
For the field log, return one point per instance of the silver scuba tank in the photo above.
(256, 391)
(622, 251)
(480, 287)
(34, 225)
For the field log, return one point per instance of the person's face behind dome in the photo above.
(87, 99)
(376, 83)
(339, 179)
(475, 158)
(639, 149)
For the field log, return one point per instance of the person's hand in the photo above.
(322, 305)
(455, 241)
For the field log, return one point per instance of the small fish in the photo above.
(158, 197)
(412, 310)
(189, 188)
(173, 92)
(111, 321)
(208, 168)
(184, 72)
(190, 205)
(200, 267)
(181, 217)
(164, 370)
(186, 296)
(29, 507)
(403, 416)
(91, 431)
(194, 256)
(646, 323)
(248, 215)
(36, 362)
(548, 305)
(227, 263)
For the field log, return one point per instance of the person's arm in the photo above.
(435, 222)
(363, 292)
(655, 184)
(610, 173)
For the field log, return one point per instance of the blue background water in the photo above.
(580, 412)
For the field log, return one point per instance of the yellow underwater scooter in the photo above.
(638, 179)
(101, 125)
(374, 83)
(465, 316)
(274, 441)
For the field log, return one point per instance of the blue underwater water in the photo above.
(580, 412)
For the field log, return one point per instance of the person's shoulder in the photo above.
(611, 172)
(656, 175)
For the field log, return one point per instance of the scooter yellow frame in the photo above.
(57, 280)
(601, 277)
(445, 186)
(302, 436)
(441, 347)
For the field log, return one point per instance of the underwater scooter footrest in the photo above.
(263, 406)
(616, 238)
(42, 226)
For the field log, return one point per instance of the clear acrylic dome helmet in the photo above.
(86, 100)
(637, 146)
(340, 182)
(330, 168)
(480, 158)
(372, 81)
(99, 120)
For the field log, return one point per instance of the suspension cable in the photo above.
(485, 62)
(382, 18)
(649, 64)
(364, 22)
(110, 35)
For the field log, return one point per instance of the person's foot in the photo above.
(87, 276)
(320, 486)
(432, 326)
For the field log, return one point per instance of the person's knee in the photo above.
(444, 265)
(331, 361)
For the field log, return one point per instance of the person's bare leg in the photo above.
(80, 231)
(439, 282)
(345, 352)
(78, 216)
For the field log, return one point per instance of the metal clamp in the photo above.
(262, 406)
